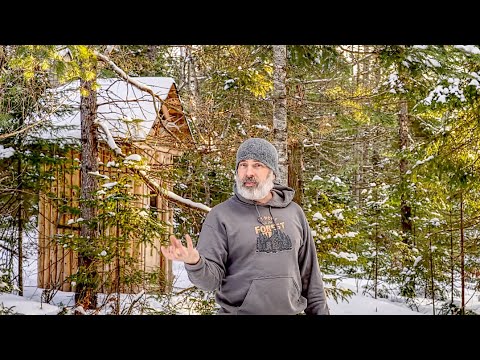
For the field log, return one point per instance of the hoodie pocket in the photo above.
(273, 296)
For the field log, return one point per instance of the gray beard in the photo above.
(258, 192)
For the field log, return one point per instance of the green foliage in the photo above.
(203, 303)
(7, 310)
(454, 309)
(324, 59)
(206, 178)
(143, 60)
(244, 69)
(24, 80)
(6, 284)
(46, 60)
(190, 301)
(333, 223)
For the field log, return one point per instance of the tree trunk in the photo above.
(432, 277)
(462, 255)
(359, 156)
(20, 216)
(405, 209)
(85, 293)
(452, 262)
(295, 170)
(280, 110)
(3, 57)
(20, 226)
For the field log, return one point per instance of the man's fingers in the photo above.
(173, 253)
(176, 250)
(176, 242)
(166, 252)
(189, 242)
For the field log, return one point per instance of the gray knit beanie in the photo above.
(260, 150)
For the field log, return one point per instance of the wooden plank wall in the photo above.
(153, 259)
(55, 263)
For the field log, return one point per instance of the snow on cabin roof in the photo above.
(128, 111)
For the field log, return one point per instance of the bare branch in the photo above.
(171, 195)
(142, 87)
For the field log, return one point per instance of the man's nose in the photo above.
(250, 171)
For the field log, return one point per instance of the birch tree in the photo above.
(280, 110)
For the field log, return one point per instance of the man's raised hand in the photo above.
(176, 251)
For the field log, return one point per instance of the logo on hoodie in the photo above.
(271, 237)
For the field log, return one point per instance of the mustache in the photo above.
(249, 179)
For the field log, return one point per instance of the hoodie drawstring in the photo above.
(270, 211)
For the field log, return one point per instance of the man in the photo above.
(256, 248)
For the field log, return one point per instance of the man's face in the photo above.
(254, 179)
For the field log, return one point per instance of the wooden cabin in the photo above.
(131, 117)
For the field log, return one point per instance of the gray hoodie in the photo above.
(260, 258)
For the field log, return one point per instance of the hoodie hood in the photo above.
(282, 196)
